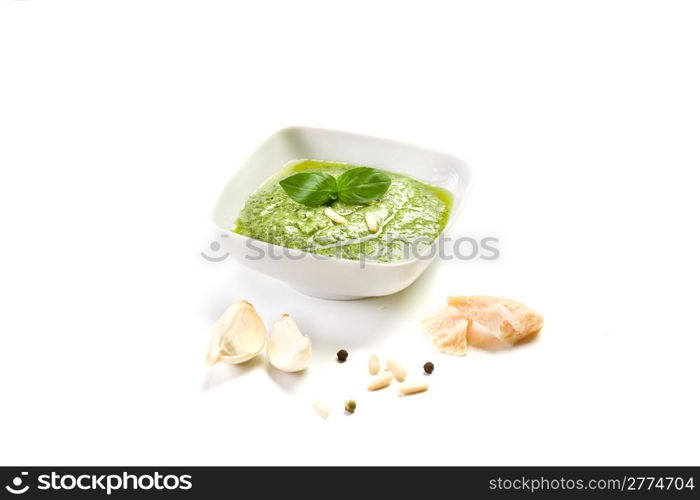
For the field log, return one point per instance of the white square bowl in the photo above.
(330, 277)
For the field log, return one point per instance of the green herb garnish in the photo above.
(312, 189)
(357, 186)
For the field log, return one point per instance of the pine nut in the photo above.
(397, 370)
(380, 381)
(413, 387)
(371, 221)
(321, 408)
(373, 365)
(335, 216)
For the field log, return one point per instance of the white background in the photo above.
(121, 121)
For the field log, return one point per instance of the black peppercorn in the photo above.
(428, 367)
(342, 355)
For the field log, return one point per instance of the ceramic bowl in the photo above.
(330, 277)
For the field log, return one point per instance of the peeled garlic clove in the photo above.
(287, 348)
(237, 336)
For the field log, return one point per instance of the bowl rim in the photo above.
(454, 213)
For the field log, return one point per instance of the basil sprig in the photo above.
(312, 189)
(357, 186)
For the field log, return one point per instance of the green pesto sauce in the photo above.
(410, 215)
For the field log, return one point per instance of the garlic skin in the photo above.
(237, 336)
(287, 348)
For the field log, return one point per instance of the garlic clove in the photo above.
(287, 348)
(237, 336)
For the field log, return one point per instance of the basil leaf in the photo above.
(361, 185)
(312, 189)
